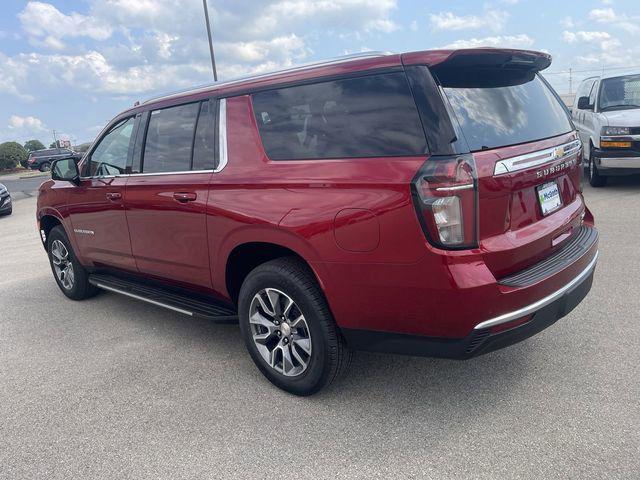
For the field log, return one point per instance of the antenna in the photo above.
(213, 57)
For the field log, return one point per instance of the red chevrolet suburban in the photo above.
(427, 203)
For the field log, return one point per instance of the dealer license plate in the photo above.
(549, 197)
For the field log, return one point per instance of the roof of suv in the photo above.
(362, 62)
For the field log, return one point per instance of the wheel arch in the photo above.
(47, 220)
(244, 257)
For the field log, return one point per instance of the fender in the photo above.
(49, 211)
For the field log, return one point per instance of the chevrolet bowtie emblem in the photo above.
(559, 153)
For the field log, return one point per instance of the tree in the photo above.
(33, 145)
(11, 154)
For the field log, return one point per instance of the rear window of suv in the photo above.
(371, 116)
(496, 108)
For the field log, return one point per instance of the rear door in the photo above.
(96, 205)
(166, 196)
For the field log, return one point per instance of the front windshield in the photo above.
(620, 93)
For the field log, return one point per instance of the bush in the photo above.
(11, 154)
(33, 145)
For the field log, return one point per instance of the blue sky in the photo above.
(71, 65)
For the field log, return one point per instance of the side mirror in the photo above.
(583, 104)
(66, 169)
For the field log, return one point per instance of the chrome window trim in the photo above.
(529, 309)
(148, 174)
(539, 157)
(222, 136)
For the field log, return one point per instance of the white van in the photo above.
(606, 111)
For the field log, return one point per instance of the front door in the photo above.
(96, 205)
(166, 200)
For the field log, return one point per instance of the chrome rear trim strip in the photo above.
(529, 309)
(144, 299)
(533, 159)
(455, 188)
(222, 136)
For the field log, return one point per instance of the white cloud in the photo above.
(491, 19)
(506, 41)
(14, 74)
(28, 123)
(161, 44)
(567, 22)
(609, 15)
(47, 26)
(603, 15)
(582, 36)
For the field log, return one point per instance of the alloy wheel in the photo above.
(62, 264)
(280, 332)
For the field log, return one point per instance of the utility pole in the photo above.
(55, 140)
(213, 58)
(570, 82)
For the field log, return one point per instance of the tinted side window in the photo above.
(110, 156)
(204, 144)
(372, 116)
(169, 139)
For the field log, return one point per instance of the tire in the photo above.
(45, 167)
(275, 283)
(75, 282)
(595, 179)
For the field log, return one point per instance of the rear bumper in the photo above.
(485, 337)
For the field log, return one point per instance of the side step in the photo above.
(173, 300)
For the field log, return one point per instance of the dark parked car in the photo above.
(5, 201)
(427, 203)
(42, 159)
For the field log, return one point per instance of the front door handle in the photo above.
(184, 197)
(114, 196)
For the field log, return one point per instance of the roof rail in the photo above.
(303, 66)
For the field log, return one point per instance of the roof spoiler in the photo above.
(496, 58)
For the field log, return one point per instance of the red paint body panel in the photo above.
(101, 221)
(352, 220)
(168, 236)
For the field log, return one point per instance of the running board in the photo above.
(171, 300)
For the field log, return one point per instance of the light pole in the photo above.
(213, 57)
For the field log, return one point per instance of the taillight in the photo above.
(31, 159)
(446, 198)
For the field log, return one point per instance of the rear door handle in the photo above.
(184, 197)
(114, 196)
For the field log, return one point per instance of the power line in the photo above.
(590, 70)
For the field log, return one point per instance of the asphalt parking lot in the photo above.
(114, 388)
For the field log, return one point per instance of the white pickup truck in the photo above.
(606, 111)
